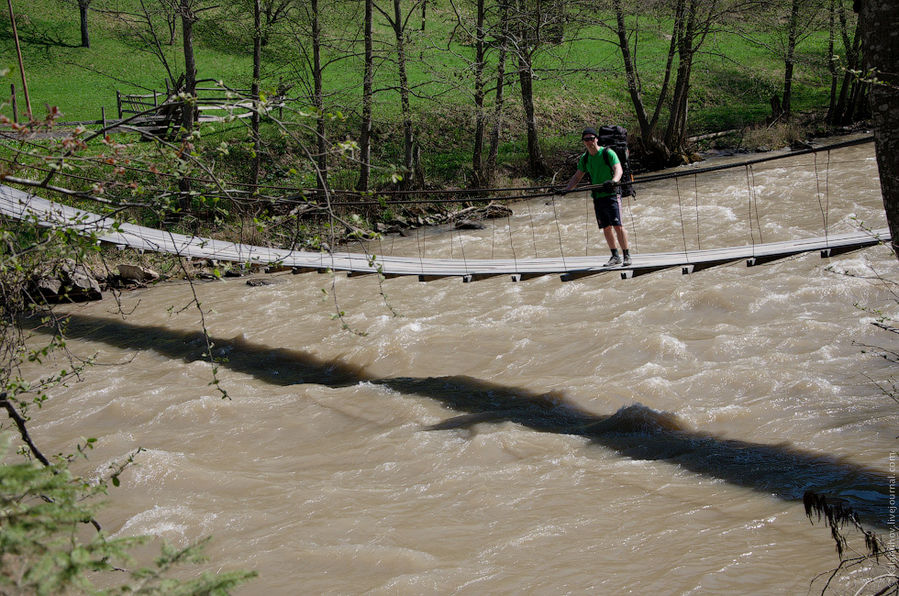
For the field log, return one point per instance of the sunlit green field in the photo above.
(580, 81)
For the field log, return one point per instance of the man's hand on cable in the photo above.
(609, 186)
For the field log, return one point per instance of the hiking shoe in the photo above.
(627, 261)
(614, 260)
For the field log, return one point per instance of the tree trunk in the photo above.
(500, 86)
(82, 9)
(536, 165)
(254, 91)
(832, 62)
(692, 37)
(790, 60)
(319, 100)
(190, 68)
(408, 136)
(850, 90)
(190, 89)
(367, 83)
(477, 153)
(654, 152)
(630, 72)
(171, 21)
(881, 48)
(675, 132)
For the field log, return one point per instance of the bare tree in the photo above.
(189, 12)
(398, 21)
(880, 44)
(849, 103)
(254, 90)
(696, 18)
(534, 25)
(691, 22)
(472, 21)
(499, 94)
(322, 40)
(780, 27)
(83, 6)
(367, 99)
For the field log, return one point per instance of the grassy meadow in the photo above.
(578, 82)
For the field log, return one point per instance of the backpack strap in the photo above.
(605, 156)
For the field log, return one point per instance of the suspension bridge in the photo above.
(23, 205)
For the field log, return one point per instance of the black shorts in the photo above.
(608, 211)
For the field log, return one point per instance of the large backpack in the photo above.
(615, 138)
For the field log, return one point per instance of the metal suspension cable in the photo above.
(586, 225)
(511, 242)
(827, 199)
(633, 220)
(462, 250)
(824, 210)
(524, 191)
(492, 239)
(683, 225)
(419, 243)
(749, 192)
(755, 199)
(696, 199)
(533, 230)
(559, 230)
(756, 161)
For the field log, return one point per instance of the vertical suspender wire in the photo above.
(461, 250)
(755, 200)
(493, 238)
(818, 195)
(419, 242)
(827, 198)
(825, 210)
(559, 231)
(587, 224)
(527, 204)
(632, 241)
(696, 197)
(511, 243)
(683, 223)
(750, 192)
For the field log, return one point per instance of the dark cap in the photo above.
(589, 131)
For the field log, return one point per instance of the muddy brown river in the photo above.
(600, 436)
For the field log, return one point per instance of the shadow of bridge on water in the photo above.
(635, 431)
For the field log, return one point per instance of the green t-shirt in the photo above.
(598, 169)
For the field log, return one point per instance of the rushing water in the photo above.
(596, 436)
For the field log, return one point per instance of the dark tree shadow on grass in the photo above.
(44, 36)
(636, 432)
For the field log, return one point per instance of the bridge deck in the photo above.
(22, 205)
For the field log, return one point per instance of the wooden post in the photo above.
(118, 102)
(103, 115)
(15, 109)
(15, 34)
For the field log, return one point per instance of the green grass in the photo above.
(731, 86)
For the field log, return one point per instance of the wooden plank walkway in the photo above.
(22, 205)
